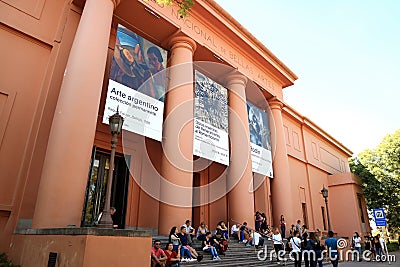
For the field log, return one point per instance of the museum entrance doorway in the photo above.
(96, 189)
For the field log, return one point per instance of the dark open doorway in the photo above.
(96, 189)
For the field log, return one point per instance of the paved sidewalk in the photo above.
(396, 263)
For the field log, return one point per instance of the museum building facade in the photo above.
(207, 134)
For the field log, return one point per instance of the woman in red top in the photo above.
(173, 257)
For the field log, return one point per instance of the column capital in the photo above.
(116, 3)
(275, 103)
(235, 77)
(182, 41)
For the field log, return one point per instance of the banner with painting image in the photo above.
(260, 141)
(137, 84)
(210, 120)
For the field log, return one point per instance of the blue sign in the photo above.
(380, 218)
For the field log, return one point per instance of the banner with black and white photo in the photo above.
(210, 120)
(260, 141)
(137, 84)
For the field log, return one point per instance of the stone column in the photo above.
(177, 158)
(281, 188)
(240, 198)
(65, 169)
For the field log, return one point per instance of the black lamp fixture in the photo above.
(324, 193)
(116, 121)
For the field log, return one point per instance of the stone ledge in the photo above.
(84, 231)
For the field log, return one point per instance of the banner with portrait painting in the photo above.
(137, 84)
(260, 141)
(210, 120)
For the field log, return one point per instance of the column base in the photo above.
(80, 247)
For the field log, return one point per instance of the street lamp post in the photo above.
(324, 192)
(115, 122)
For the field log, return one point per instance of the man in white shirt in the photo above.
(257, 240)
(235, 230)
(189, 231)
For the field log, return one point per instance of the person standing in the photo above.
(258, 220)
(399, 241)
(278, 242)
(331, 247)
(291, 231)
(295, 242)
(357, 244)
(114, 217)
(378, 247)
(319, 248)
(298, 227)
(283, 226)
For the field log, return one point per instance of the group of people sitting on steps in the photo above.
(179, 247)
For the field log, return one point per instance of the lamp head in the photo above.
(116, 122)
(324, 192)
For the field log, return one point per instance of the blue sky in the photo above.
(346, 55)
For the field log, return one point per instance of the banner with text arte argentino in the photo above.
(210, 120)
(260, 141)
(137, 84)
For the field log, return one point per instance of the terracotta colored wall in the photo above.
(81, 250)
(318, 178)
(35, 33)
(262, 195)
(294, 138)
(217, 209)
(54, 76)
(300, 190)
(343, 204)
(324, 155)
(19, 98)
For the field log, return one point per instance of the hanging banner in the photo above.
(137, 84)
(260, 141)
(210, 120)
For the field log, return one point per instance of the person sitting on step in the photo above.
(207, 245)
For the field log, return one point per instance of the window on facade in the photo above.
(360, 209)
(304, 209)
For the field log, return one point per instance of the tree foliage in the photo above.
(184, 5)
(379, 170)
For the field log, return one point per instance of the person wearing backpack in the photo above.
(305, 246)
(295, 242)
(312, 247)
(319, 248)
(332, 248)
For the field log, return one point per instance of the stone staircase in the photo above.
(236, 255)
